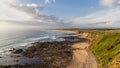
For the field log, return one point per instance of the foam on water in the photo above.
(37, 38)
(53, 37)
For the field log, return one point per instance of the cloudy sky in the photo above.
(23, 14)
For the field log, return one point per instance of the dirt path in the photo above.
(82, 57)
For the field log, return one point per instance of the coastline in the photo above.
(66, 54)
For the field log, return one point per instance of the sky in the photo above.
(29, 14)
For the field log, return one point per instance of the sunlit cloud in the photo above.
(34, 12)
(103, 18)
(26, 15)
(8, 12)
(109, 3)
(106, 18)
(49, 1)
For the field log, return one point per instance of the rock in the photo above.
(18, 51)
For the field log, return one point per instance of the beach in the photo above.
(71, 53)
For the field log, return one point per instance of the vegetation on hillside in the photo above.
(106, 48)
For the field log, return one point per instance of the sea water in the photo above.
(17, 39)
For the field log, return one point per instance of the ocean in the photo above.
(18, 39)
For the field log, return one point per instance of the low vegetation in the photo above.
(106, 47)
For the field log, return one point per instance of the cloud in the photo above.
(35, 17)
(8, 12)
(107, 18)
(29, 15)
(28, 8)
(103, 18)
(109, 3)
(26, 15)
(49, 1)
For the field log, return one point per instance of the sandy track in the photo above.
(82, 57)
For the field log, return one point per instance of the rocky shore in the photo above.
(56, 54)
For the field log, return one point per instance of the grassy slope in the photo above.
(106, 47)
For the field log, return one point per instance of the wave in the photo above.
(53, 37)
(37, 38)
(42, 38)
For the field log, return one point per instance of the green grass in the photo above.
(105, 46)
